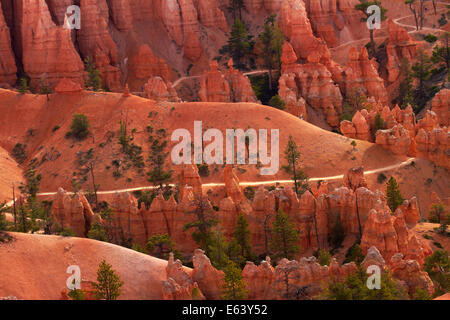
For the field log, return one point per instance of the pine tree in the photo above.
(292, 156)
(235, 7)
(362, 6)
(23, 85)
(438, 267)
(441, 54)
(217, 249)
(3, 223)
(239, 45)
(393, 195)
(242, 236)
(406, 92)
(234, 287)
(379, 123)
(161, 245)
(422, 72)
(108, 285)
(285, 237)
(158, 176)
(94, 81)
(324, 257)
(271, 41)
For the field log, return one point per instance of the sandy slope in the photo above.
(34, 266)
(10, 173)
(323, 153)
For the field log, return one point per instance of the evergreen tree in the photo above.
(354, 287)
(234, 287)
(393, 194)
(161, 245)
(271, 41)
(422, 72)
(292, 156)
(362, 6)
(354, 254)
(205, 220)
(438, 267)
(98, 232)
(242, 236)
(79, 127)
(108, 285)
(406, 92)
(235, 7)
(441, 54)
(379, 123)
(277, 102)
(3, 222)
(158, 176)
(324, 257)
(23, 85)
(285, 237)
(94, 81)
(239, 44)
(217, 249)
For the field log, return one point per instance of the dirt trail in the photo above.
(256, 183)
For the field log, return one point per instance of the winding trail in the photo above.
(255, 183)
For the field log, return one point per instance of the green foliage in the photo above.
(77, 294)
(442, 20)
(406, 90)
(146, 198)
(430, 38)
(157, 175)
(441, 54)
(19, 152)
(355, 288)
(23, 85)
(270, 43)
(435, 215)
(421, 294)
(438, 268)
(422, 72)
(234, 287)
(67, 232)
(239, 44)
(362, 6)
(242, 235)
(108, 285)
(235, 7)
(261, 87)
(161, 245)
(44, 87)
(354, 254)
(393, 195)
(381, 178)
(324, 257)
(3, 222)
(218, 249)
(98, 232)
(203, 170)
(379, 123)
(131, 150)
(277, 102)
(337, 234)
(292, 156)
(249, 192)
(94, 82)
(285, 237)
(79, 127)
(137, 247)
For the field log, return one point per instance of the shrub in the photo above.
(19, 152)
(430, 38)
(203, 169)
(249, 193)
(23, 85)
(277, 102)
(381, 178)
(79, 127)
(324, 257)
(337, 235)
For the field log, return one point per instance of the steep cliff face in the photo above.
(7, 63)
(46, 50)
(231, 86)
